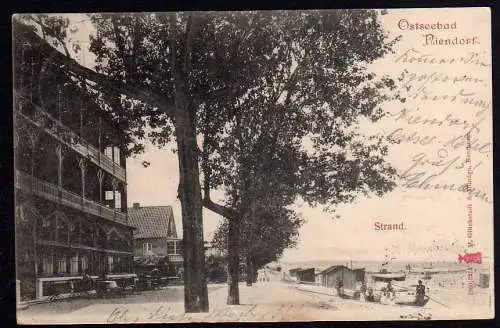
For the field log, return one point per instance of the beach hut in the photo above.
(306, 275)
(484, 280)
(293, 272)
(360, 274)
(341, 272)
(318, 277)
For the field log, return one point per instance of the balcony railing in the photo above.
(65, 135)
(175, 257)
(53, 193)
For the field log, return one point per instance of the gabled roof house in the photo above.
(156, 233)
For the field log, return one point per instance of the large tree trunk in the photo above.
(233, 296)
(250, 270)
(250, 218)
(195, 284)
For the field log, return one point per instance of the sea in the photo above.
(375, 266)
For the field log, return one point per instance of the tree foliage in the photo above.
(276, 97)
(272, 230)
(299, 122)
(276, 75)
(295, 132)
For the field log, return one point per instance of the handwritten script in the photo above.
(446, 111)
(124, 314)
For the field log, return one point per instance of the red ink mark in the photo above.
(470, 258)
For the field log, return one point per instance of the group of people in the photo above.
(388, 292)
(263, 276)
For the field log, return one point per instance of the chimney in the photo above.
(136, 205)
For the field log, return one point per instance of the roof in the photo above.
(152, 222)
(321, 268)
(333, 268)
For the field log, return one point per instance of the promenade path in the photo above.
(263, 302)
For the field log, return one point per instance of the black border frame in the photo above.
(9, 7)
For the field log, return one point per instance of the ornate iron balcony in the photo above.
(52, 192)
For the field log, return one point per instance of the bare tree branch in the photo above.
(224, 211)
(44, 28)
(109, 86)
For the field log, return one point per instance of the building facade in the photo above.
(293, 272)
(335, 273)
(70, 176)
(156, 233)
(306, 275)
(212, 250)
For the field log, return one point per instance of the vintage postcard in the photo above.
(260, 166)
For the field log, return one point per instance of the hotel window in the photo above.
(113, 152)
(118, 200)
(61, 264)
(125, 245)
(108, 195)
(172, 247)
(147, 248)
(116, 152)
(108, 151)
(87, 234)
(118, 265)
(74, 232)
(46, 231)
(47, 264)
(100, 262)
(84, 263)
(62, 230)
(101, 238)
(110, 264)
(74, 264)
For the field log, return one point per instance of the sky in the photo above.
(435, 220)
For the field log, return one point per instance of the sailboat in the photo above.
(386, 276)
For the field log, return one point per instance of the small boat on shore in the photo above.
(384, 275)
(413, 302)
(388, 276)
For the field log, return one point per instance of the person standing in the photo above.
(420, 293)
(87, 282)
(389, 288)
(339, 285)
(363, 290)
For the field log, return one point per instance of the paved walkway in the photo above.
(267, 301)
(317, 289)
(271, 301)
